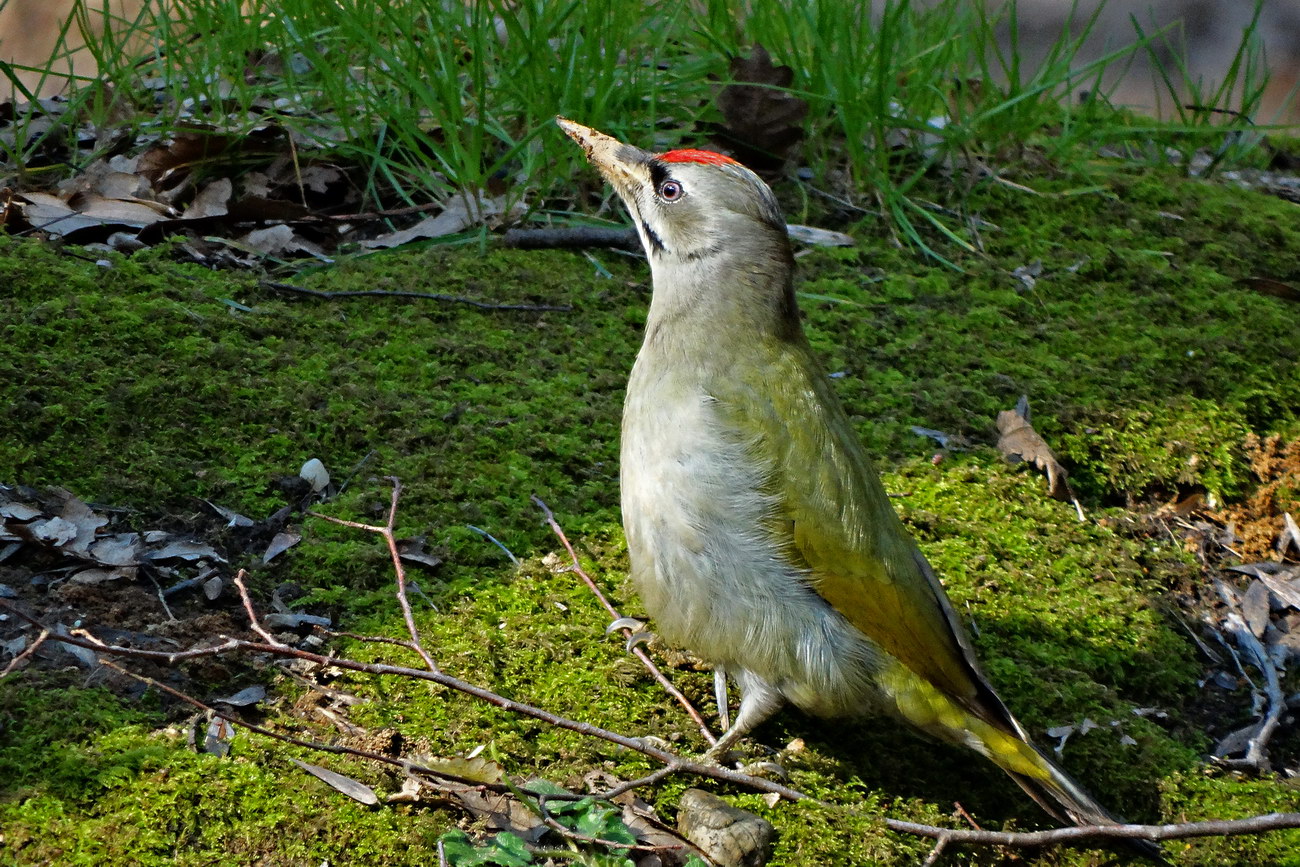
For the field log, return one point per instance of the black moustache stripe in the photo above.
(655, 241)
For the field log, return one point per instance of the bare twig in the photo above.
(676, 763)
(401, 293)
(638, 651)
(1256, 749)
(162, 595)
(933, 857)
(31, 648)
(1085, 833)
(647, 780)
(253, 622)
(391, 539)
(573, 238)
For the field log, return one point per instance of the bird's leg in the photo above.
(720, 696)
(760, 700)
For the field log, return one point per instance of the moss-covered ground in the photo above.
(149, 384)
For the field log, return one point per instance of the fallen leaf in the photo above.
(181, 549)
(295, 621)
(1020, 442)
(101, 576)
(462, 212)
(278, 240)
(1254, 607)
(282, 542)
(357, 791)
(413, 550)
(502, 812)
(212, 201)
(476, 769)
(761, 119)
(243, 698)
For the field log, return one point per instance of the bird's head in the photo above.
(712, 229)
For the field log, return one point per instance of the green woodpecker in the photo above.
(759, 534)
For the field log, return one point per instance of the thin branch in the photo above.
(638, 651)
(401, 293)
(253, 622)
(391, 539)
(573, 238)
(675, 762)
(31, 648)
(647, 780)
(335, 749)
(1084, 833)
(1256, 749)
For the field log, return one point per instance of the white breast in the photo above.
(707, 564)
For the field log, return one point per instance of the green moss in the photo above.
(1144, 360)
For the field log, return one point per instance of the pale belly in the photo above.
(705, 545)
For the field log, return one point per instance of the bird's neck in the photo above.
(726, 300)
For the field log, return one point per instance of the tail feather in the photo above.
(989, 728)
(1063, 798)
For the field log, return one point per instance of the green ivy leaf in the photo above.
(504, 850)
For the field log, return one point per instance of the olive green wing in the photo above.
(835, 519)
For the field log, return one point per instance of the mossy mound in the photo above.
(153, 385)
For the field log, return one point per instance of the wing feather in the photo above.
(836, 521)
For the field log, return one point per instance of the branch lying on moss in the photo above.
(672, 762)
(397, 293)
(573, 238)
(1090, 833)
(636, 650)
(1256, 757)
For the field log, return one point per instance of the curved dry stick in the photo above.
(638, 651)
(672, 762)
(387, 532)
(228, 645)
(1085, 833)
(1257, 746)
(31, 648)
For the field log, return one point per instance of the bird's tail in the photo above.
(1061, 796)
(1047, 783)
(989, 729)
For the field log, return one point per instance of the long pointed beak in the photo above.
(614, 159)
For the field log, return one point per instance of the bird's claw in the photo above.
(625, 623)
(638, 635)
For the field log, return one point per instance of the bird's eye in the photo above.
(671, 191)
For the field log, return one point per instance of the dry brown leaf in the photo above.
(462, 212)
(502, 812)
(476, 769)
(1019, 441)
(212, 201)
(278, 240)
(283, 541)
(761, 121)
(1255, 607)
(51, 214)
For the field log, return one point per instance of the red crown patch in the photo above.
(692, 155)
